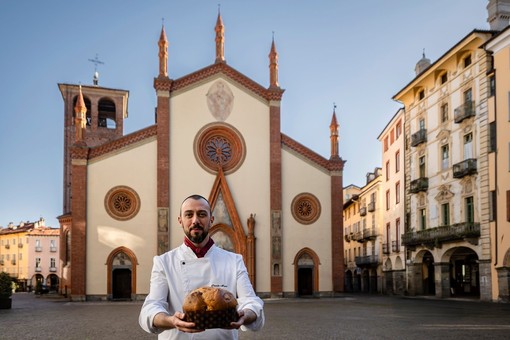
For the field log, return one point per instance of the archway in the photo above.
(348, 281)
(427, 274)
(52, 281)
(306, 272)
(464, 273)
(388, 277)
(121, 281)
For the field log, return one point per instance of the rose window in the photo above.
(305, 208)
(122, 203)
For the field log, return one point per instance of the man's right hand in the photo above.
(167, 321)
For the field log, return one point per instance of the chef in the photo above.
(194, 264)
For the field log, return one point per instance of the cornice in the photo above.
(123, 141)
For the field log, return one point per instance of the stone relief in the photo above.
(220, 100)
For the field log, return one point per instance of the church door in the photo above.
(121, 280)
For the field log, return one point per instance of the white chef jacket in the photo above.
(177, 272)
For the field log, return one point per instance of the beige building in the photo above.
(217, 133)
(393, 188)
(27, 251)
(363, 222)
(447, 173)
(499, 160)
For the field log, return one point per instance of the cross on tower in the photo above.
(96, 62)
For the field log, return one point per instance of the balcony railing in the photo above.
(434, 237)
(347, 238)
(369, 260)
(13, 261)
(419, 137)
(53, 249)
(464, 111)
(464, 168)
(53, 269)
(363, 211)
(38, 269)
(420, 184)
(385, 249)
(369, 233)
(358, 236)
(395, 247)
(371, 206)
(7, 246)
(38, 249)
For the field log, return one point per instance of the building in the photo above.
(28, 252)
(447, 172)
(217, 133)
(499, 160)
(363, 218)
(393, 188)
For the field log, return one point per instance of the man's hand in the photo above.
(166, 321)
(246, 317)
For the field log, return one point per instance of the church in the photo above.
(218, 134)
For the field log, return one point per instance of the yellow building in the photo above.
(499, 147)
(363, 221)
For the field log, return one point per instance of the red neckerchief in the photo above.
(199, 252)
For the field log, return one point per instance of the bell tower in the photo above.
(105, 110)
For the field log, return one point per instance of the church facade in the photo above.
(218, 134)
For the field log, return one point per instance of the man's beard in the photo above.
(198, 238)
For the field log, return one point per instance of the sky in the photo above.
(353, 54)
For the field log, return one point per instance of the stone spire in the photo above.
(80, 120)
(220, 39)
(163, 53)
(333, 128)
(273, 66)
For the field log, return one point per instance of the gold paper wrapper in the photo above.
(212, 319)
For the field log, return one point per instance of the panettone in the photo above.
(210, 307)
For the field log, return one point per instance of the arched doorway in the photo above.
(306, 264)
(464, 273)
(121, 274)
(348, 281)
(427, 274)
(52, 282)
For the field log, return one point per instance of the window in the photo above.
(423, 219)
(470, 211)
(397, 233)
(445, 156)
(387, 200)
(468, 96)
(492, 86)
(392, 137)
(421, 124)
(421, 162)
(37, 262)
(398, 130)
(387, 170)
(492, 205)
(397, 193)
(20, 257)
(444, 78)
(444, 113)
(397, 161)
(52, 262)
(468, 149)
(492, 137)
(386, 144)
(445, 214)
(388, 233)
(421, 94)
(467, 61)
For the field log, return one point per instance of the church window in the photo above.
(306, 208)
(122, 203)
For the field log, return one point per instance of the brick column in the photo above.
(337, 232)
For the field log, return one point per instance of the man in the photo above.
(194, 264)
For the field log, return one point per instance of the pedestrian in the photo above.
(197, 263)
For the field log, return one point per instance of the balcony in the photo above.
(369, 233)
(419, 137)
(38, 269)
(464, 111)
(371, 207)
(358, 236)
(53, 269)
(13, 262)
(363, 211)
(370, 260)
(7, 246)
(420, 184)
(2, 262)
(38, 249)
(395, 247)
(20, 245)
(464, 168)
(435, 237)
(53, 249)
(347, 238)
(385, 249)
